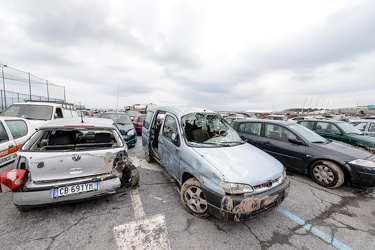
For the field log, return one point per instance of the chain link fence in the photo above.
(18, 86)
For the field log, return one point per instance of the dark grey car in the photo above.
(329, 163)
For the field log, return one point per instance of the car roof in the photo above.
(180, 110)
(77, 121)
(363, 120)
(12, 118)
(286, 123)
(56, 104)
(319, 120)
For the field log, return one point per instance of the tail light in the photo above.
(12, 179)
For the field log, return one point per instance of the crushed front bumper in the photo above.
(240, 207)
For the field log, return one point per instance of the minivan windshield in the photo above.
(208, 129)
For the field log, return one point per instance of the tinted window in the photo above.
(3, 134)
(17, 128)
(250, 128)
(170, 127)
(148, 119)
(277, 132)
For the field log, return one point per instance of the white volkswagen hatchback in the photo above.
(70, 159)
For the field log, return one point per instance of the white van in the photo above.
(39, 113)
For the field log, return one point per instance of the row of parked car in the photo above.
(232, 171)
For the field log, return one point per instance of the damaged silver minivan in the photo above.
(219, 174)
(70, 159)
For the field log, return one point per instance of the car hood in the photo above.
(49, 166)
(365, 138)
(125, 127)
(344, 151)
(243, 163)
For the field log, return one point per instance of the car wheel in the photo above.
(327, 174)
(193, 199)
(23, 208)
(130, 176)
(149, 158)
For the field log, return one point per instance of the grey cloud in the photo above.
(343, 36)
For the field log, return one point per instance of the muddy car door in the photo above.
(169, 145)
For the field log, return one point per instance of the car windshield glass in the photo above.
(208, 129)
(141, 118)
(349, 128)
(117, 117)
(31, 112)
(359, 125)
(307, 134)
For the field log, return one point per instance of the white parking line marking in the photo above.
(150, 234)
(137, 204)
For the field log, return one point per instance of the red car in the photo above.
(138, 123)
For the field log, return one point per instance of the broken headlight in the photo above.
(283, 174)
(131, 132)
(235, 188)
(363, 163)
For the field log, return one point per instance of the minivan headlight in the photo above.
(364, 163)
(235, 188)
(283, 174)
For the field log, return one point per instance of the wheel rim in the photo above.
(323, 174)
(195, 200)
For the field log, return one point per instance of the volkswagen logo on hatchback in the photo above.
(76, 157)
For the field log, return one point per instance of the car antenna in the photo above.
(81, 113)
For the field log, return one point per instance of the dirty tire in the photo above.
(130, 176)
(23, 208)
(193, 199)
(327, 174)
(149, 158)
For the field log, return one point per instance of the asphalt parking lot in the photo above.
(152, 217)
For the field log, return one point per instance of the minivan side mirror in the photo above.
(175, 139)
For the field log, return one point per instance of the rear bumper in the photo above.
(241, 208)
(45, 196)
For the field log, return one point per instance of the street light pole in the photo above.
(5, 98)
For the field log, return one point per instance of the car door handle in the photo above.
(267, 142)
(177, 151)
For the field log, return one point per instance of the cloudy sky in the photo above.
(221, 55)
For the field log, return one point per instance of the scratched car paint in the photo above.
(70, 159)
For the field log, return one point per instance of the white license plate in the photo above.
(75, 189)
